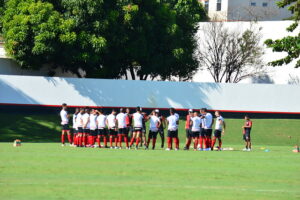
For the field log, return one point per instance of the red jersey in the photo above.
(128, 120)
(187, 122)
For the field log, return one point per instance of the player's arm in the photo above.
(158, 123)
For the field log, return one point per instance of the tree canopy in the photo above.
(289, 44)
(105, 38)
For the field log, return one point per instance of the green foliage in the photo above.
(105, 38)
(289, 44)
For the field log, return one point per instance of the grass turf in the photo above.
(49, 171)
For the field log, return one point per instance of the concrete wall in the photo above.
(49, 91)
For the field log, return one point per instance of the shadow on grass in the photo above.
(30, 128)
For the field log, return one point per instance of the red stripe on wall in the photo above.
(147, 108)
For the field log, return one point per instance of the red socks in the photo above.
(84, 140)
(110, 141)
(74, 139)
(169, 141)
(70, 138)
(131, 141)
(137, 141)
(195, 143)
(98, 141)
(62, 138)
(116, 141)
(176, 142)
(105, 141)
(120, 140)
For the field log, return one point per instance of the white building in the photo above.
(245, 10)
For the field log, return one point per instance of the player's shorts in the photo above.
(218, 133)
(153, 134)
(195, 134)
(102, 132)
(112, 132)
(137, 129)
(144, 130)
(188, 133)
(74, 131)
(128, 129)
(86, 131)
(202, 132)
(65, 127)
(208, 132)
(122, 131)
(93, 132)
(161, 131)
(246, 136)
(80, 130)
(172, 133)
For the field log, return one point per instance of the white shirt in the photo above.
(154, 120)
(93, 122)
(172, 125)
(74, 121)
(64, 117)
(219, 126)
(208, 121)
(138, 120)
(111, 121)
(101, 121)
(121, 117)
(196, 123)
(79, 120)
(85, 120)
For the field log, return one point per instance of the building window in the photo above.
(265, 4)
(253, 4)
(206, 5)
(219, 5)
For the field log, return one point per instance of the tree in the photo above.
(229, 56)
(107, 39)
(289, 44)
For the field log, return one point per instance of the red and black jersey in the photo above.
(187, 122)
(249, 124)
(128, 120)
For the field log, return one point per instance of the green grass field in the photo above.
(49, 171)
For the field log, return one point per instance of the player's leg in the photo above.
(162, 136)
(98, 138)
(126, 137)
(137, 140)
(176, 140)
(120, 134)
(154, 136)
(69, 136)
(134, 133)
(110, 138)
(169, 139)
(149, 138)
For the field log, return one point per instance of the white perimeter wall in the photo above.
(116, 93)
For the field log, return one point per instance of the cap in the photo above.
(190, 110)
(156, 110)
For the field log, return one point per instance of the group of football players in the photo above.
(92, 126)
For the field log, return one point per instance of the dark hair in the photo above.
(121, 110)
(204, 109)
(64, 104)
(81, 109)
(138, 108)
(172, 110)
(113, 110)
(100, 110)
